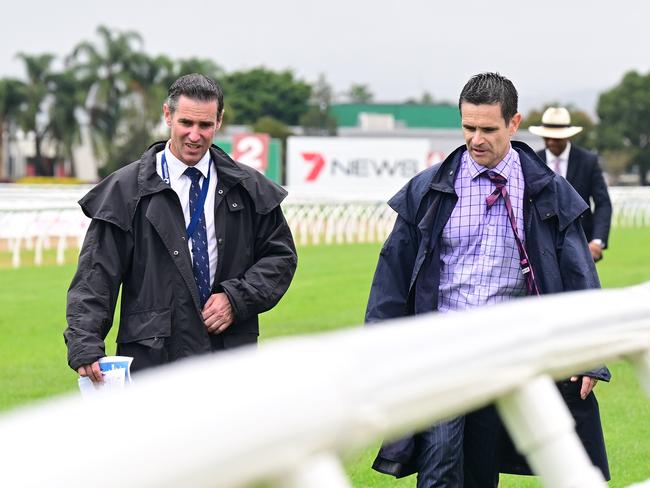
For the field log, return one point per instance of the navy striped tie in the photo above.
(200, 257)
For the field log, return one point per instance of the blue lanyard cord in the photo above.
(196, 215)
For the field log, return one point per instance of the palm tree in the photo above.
(64, 129)
(106, 72)
(38, 68)
(12, 98)
(149, 81)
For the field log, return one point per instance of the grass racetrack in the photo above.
(329, 292)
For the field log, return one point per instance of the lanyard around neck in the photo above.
(499, 182)
(198, 210)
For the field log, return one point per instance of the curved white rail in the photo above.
(284, 412)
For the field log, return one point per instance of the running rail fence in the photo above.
(41, 218)
(286, 413)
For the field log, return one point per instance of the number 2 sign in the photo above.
(251, 149)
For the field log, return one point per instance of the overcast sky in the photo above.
(564, 50)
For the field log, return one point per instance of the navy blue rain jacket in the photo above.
(407, 277)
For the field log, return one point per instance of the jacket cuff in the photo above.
(77, 362)
(602, 373)
(237, 301)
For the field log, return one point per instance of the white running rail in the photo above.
(38, 217)
(286, 413)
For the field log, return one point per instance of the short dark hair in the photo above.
(490, 89)
(197, 87)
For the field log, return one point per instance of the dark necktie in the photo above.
(200, 257)
(500, 183)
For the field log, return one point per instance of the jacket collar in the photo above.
(443, 179)
(536, 174)
(149, 182)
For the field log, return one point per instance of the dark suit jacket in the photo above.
(586, 176)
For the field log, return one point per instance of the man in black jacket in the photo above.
(197, 242)
(580, 167)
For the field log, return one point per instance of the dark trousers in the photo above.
(461, 452)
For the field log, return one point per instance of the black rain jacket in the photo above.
(137, 240)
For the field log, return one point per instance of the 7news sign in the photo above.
(354, 166)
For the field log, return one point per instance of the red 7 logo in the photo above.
(319, 163)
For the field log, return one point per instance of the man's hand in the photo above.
(92, 371)
(588, 384)
(217, 313)
(596, 249)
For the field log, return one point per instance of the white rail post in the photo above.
(15, 252)
(38, 250)
(321, 471)
(543, 430)
(60, 248)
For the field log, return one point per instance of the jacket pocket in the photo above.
(144, 337)
(137, 326)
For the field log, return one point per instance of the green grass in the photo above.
(329, 292)
(32, 353)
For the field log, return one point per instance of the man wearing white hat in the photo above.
(580, 167)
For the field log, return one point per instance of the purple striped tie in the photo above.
(500, 184)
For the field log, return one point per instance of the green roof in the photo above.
(406, 115)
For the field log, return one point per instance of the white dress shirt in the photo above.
(564, 160)
(181, 184)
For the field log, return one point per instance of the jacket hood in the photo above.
(567, 205)
(116, 197)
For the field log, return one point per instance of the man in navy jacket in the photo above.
(580, 167)
(452, 248)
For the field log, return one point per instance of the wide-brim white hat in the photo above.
(556, 124)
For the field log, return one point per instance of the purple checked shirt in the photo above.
(479, 260)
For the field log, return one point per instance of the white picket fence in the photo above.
(631, 206)
(286, 413)
(38, 218)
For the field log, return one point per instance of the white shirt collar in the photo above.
(564, 156)
(177, 167)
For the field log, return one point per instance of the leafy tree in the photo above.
(39, 70)
(586, 138)
(616, 161)
(318, 120)
(624, 113)
(12, 97)
(359, 93)
(427, 98)
(204, 66)
(272, 127)
(276, 129)
(261, 92)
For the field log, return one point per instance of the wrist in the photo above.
(598, 242)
